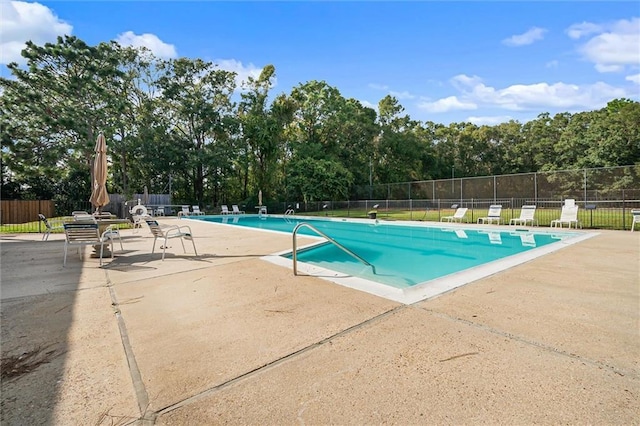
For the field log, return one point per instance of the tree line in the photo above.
(183, 124)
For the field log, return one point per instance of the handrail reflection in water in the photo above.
(328, 238)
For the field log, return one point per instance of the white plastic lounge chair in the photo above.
(495, 210)
(224, 209)
(457, 217)
(636, 218)
(236, 210)
(175, 231)
(159, 211)
(49, 228)
(527, 214)
(570, 202)
(569, 215)
(196, 210)
(184, 212)
(80, 234)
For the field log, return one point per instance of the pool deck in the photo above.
(229, 338)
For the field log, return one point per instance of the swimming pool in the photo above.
(408, 258)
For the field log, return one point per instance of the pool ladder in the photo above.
(328, 238)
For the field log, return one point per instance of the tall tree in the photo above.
(263, 131)
(399, 147)
(197, 97)
(69, 90)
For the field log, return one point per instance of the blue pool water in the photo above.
(403, 255)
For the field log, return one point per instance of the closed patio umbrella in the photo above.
(99, 195)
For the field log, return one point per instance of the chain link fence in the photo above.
(586, 185)
(605, 196)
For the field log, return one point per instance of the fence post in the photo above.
(585, 187)
(624, 225)
(472, 208)
(495, 189)
(433, 190)
(512, 208)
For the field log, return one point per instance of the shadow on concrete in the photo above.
(34, 347)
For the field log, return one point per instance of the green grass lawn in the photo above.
(590, 219)
(39, 227)
(595, 219)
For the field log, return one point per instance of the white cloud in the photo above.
(401, 95)
(378, 86)
(150, 41)
(398, 95)
(635, 78)
(452, 103)
(489, 120)
(583, 29)
(21, 22)
(614, 47)
(534, 34)
(603, 68)
(242, 72)
(552, 64)
(462, 81)
(474, 94)
(369, 105)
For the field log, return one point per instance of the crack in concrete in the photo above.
(276, 362)
(540, 345)
(142, 397)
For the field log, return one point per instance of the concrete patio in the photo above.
(228, 338)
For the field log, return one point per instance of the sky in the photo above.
(484, 62)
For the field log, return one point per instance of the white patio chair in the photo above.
(527, 214)
(183, 232)
(636, 218)
(184, 212)
(457, 217)
(495, 211)
(196, 210)
(224, 209)
(236, 210)
(49, 228)
(112, 232)
(80, 234)
(569, 215)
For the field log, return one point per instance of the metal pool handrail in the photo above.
(328, 238)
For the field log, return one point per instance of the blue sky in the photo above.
(484, 62)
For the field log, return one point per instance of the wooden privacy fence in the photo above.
(23, 211)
